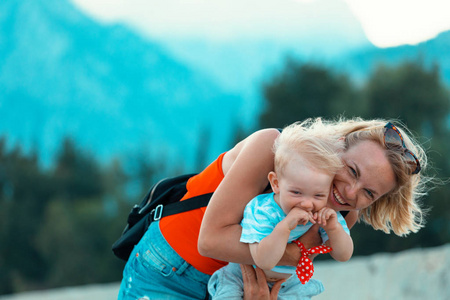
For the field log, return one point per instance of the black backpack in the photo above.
(163, 199)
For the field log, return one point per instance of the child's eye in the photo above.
(369, 194)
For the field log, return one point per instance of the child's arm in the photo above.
(269, 251)
(339, 240)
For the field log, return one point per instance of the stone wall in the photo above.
(420, 274)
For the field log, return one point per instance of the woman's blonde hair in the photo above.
(399, 210)
(316, 144)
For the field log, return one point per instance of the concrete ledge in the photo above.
(414, 274)
(90, 292)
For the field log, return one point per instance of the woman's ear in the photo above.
(273, 179)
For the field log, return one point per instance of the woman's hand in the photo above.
(255, 284)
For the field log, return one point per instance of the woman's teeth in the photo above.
(337, 197)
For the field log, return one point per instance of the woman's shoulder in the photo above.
(267, 132)
(257, 141)
(262, 136)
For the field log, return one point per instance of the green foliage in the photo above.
(23, 198)
(76, 175)
(57, 225)
(303, 91)
(417, 97)
(408, 93)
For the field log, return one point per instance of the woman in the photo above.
(378, 173)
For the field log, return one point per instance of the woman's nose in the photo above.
(351, 191)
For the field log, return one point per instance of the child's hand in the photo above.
(326, 218)
(298, 216)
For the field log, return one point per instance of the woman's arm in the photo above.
(245, 168)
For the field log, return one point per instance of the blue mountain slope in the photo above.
(61, 74)
(433, 51)
(242, 63)
(117, 93)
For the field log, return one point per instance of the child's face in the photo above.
(301, 186)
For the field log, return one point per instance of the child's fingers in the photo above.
(323, 218)
(311, 218)
(322, 215)
(303, 217)
(329, 213)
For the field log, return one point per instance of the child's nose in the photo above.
(307, 205)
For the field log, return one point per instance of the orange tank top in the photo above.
(181, 230)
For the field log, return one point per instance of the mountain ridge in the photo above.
(118, 93)
(105, 86)
(433, 51)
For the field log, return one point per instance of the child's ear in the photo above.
(273, 179)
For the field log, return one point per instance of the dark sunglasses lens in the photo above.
(412, 162)
(392, 138)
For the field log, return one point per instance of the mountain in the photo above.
(120, 93)
(360, 64)
(316, 29)
(242, 63)
(114, 92)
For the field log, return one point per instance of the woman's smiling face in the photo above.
(367, 175)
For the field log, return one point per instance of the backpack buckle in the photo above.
(157, 212)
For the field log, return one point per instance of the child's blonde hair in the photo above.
(399, 210)
(316, 144)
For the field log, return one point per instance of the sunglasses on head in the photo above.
(393, 139)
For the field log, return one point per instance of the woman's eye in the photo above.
(353, 171)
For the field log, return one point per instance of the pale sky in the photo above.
(386, 22)
(395, 22)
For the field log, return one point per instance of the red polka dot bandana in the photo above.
(305, 268)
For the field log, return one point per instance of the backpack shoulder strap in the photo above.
(161, 211)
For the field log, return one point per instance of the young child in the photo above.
(305, 164)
